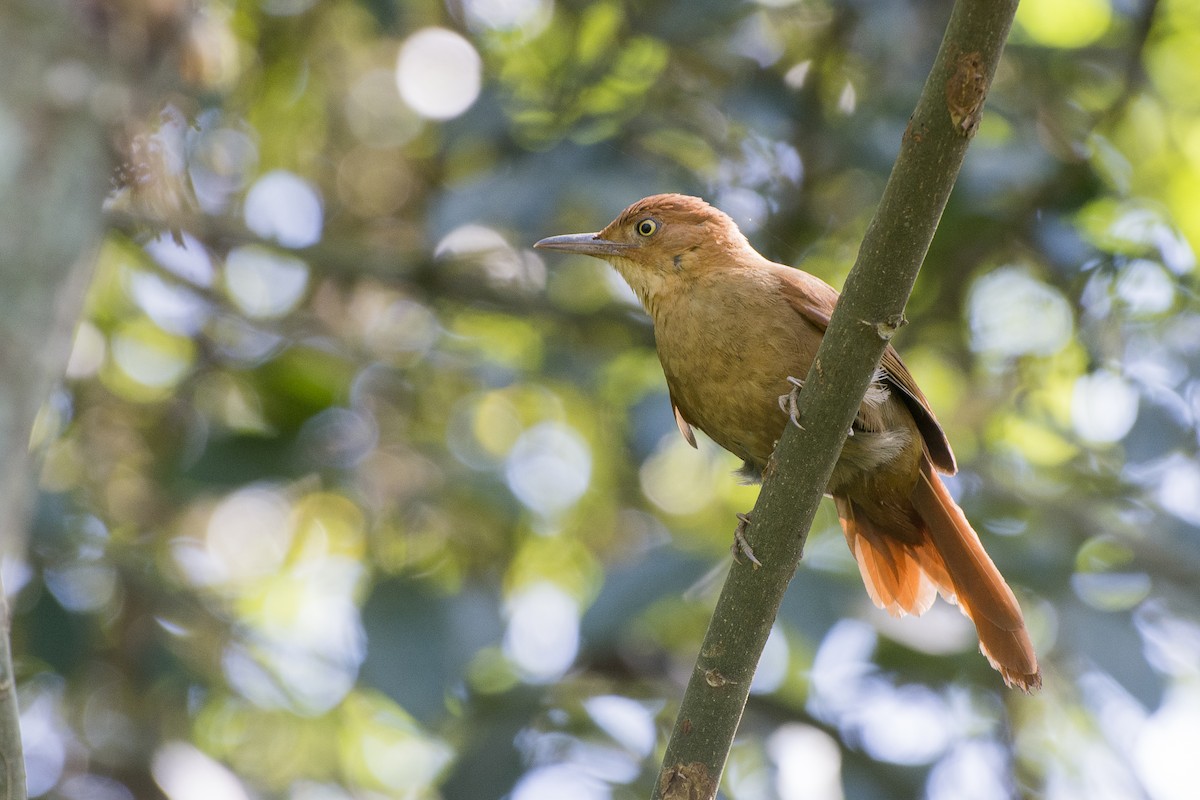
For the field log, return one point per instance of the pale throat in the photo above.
(647, 282)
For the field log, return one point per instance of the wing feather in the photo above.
(814, 301)
(685, 427)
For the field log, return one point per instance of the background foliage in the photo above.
(349, 493)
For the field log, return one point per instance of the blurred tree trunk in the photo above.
(54, 168)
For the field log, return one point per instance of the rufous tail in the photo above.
(904, 575)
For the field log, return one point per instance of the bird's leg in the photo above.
(790, 403)
(740, 545)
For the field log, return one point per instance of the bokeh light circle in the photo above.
(438, 73)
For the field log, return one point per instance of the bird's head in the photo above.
(660, 238)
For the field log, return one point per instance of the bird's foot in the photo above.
(740, 545)
(790, 403)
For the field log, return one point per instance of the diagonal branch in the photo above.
(869, 313)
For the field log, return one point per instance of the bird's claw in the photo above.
(790, 403)
(740, 545)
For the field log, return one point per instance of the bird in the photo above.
(733, 330)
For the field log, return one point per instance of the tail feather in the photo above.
(982, 592)
(891, 571)
(903, 575)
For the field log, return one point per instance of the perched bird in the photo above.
(733, 331)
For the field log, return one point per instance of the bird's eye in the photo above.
(647, 227)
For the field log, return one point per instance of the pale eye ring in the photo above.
(647, 227)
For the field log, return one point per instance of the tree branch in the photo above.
(869, 313)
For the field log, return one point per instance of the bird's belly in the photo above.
(740, 415)
(731, 392)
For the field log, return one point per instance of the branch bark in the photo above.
(869, 313)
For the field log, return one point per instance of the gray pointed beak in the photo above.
(590, 244)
